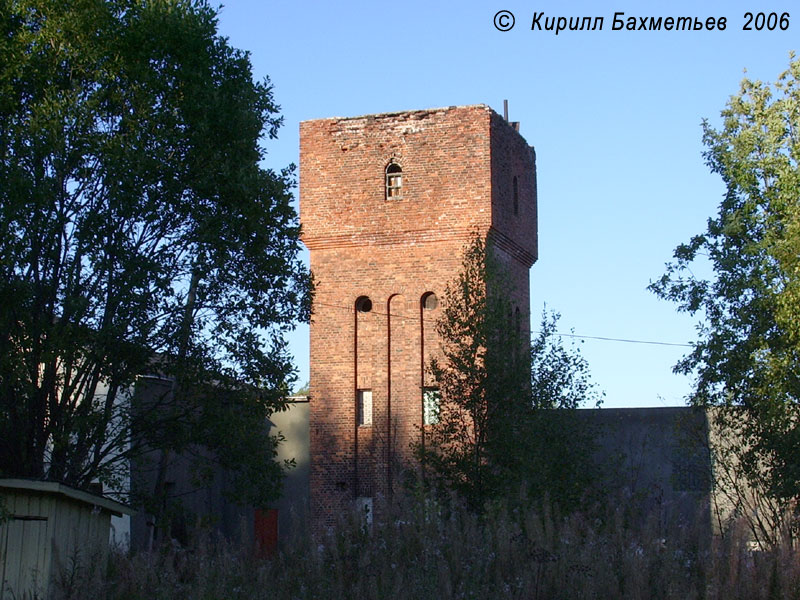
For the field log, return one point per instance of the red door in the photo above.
(266, 531)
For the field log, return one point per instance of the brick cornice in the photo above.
(419, 236)
(511, 247)
(387, 238)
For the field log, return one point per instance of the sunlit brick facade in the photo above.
(388, 203)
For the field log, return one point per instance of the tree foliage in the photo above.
(138, 233)
(559, 445)
(748, 352)
(505, 419)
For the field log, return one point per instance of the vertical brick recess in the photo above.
(458, 168)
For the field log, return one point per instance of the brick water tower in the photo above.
(388, 203)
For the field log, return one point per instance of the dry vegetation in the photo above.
(431, 553)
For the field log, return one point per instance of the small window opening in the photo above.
(364, 509)
(364, 304)
(431, 405)
(430, 301)
(516, 197)
(364, 408)
(394, 181)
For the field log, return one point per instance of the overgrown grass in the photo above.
(425, 552)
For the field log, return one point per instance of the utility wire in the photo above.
(571, 335)
(610, 339)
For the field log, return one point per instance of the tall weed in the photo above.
(426, 550)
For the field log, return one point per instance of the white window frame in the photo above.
(394, 181)
(364, 407)
(431, 405)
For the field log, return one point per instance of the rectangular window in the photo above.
(431, 399)
(394, 185)
(365, 407)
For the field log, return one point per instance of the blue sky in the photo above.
(614, 116)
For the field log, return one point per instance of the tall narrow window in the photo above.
(364, 407)
(431, 405)
(516, 197)
(394, 181)
(364, 509)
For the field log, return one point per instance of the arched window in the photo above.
(394, 181)
(516, 198)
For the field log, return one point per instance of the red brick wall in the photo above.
(515, 235)
(456, 167)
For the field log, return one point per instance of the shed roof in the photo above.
(52, 487)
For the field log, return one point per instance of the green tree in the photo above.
(138, 234)
(506, 405)
(559, 445)
(747, 354)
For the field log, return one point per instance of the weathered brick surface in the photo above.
(458, 166)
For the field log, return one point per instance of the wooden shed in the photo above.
(46, 526)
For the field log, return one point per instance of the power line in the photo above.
(610, 339)
(571, 335)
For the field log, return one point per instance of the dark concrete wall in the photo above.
(293, 503)
(657, 459)
(207, 504)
